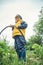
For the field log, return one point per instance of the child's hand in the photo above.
(11, 25)
(16, 27)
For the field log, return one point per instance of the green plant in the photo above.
(38, 51)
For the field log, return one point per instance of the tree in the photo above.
(34, 39)
(38, 27)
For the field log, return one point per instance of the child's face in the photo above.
(16, 20)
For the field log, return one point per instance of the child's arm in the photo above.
(23, 25)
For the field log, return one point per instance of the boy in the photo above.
(18, 33)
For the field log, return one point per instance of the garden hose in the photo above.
(4, 29)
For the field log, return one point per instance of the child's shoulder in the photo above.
(23, 22)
